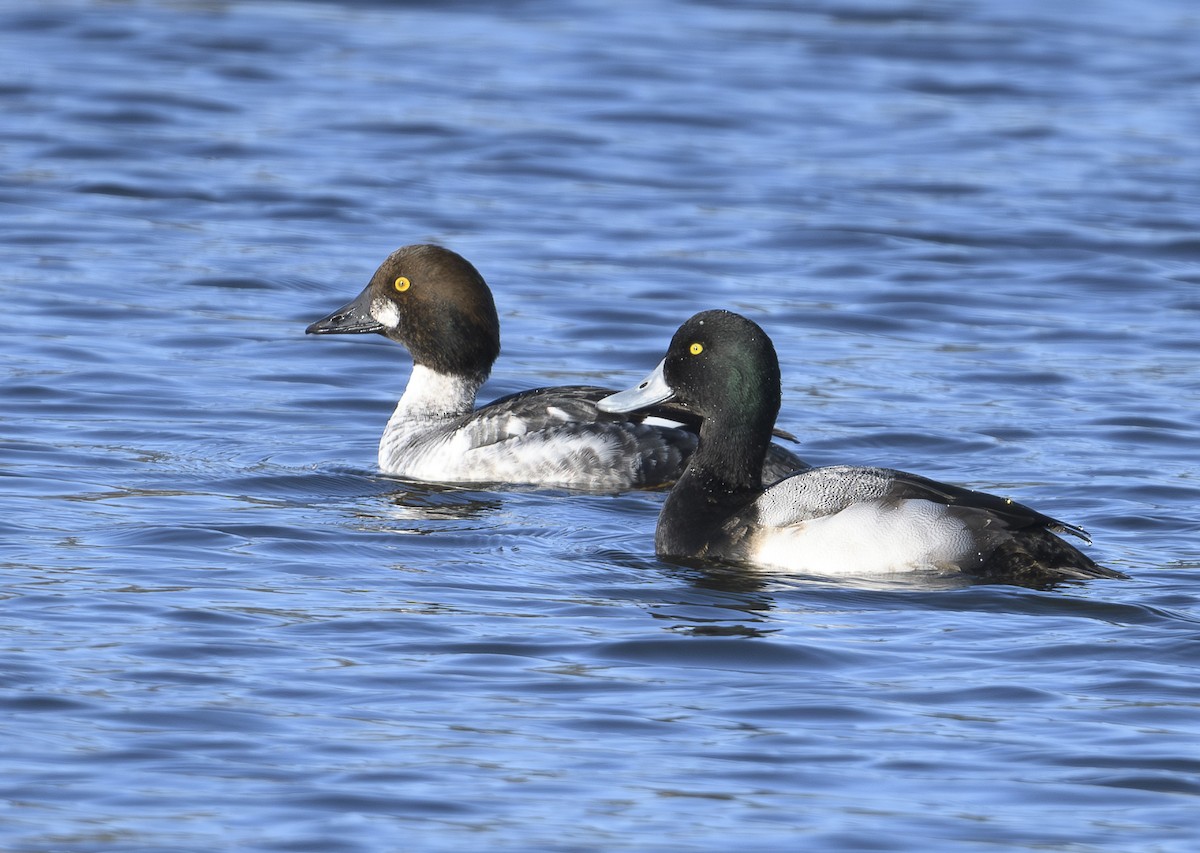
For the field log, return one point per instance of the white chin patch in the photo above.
(385, 312)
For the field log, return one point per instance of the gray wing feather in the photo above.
(827, 490)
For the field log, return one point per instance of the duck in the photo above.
(435, 303)
(836, 520)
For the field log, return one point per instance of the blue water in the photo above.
(972, 231)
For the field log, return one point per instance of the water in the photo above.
(970, 229)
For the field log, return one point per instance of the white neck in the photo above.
(435, 396)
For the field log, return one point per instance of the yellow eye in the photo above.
(696, 349)
(401, 284)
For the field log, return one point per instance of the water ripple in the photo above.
(969, 233)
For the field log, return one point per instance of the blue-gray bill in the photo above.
(651, 390)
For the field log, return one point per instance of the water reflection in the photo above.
(741, 579)
(406, 501)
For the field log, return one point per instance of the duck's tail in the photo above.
(1037, 557)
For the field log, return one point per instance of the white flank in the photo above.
(868, 538)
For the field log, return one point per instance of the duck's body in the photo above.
(838, 520)
(437, 305)
(856, 522)
(546, 436)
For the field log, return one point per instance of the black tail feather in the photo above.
(1037, 557)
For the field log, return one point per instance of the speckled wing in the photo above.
(562, 433)
(828, 490)
(543, 408)
(816, 493)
